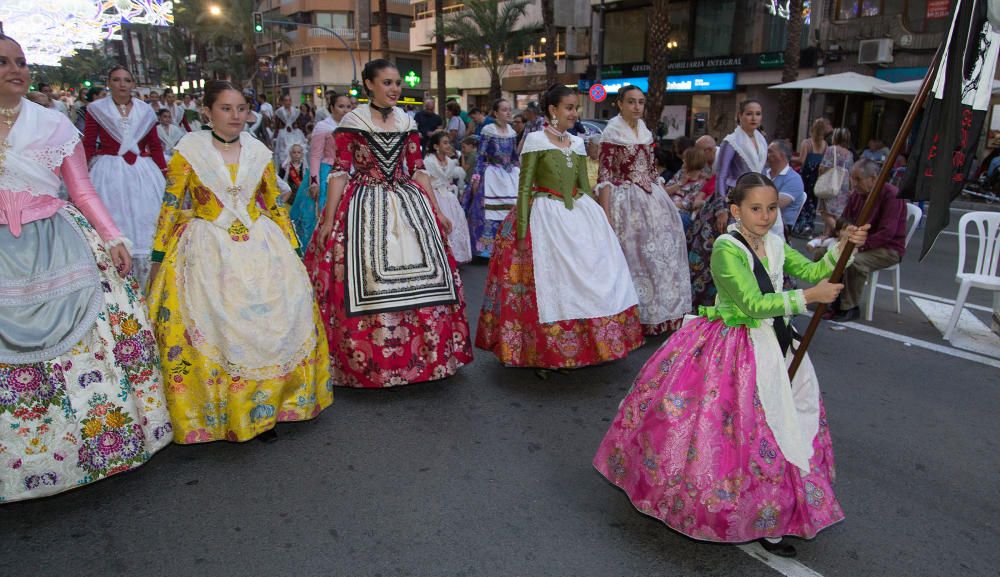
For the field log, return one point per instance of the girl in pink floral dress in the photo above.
(713, 439)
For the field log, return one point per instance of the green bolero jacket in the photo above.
(739, 301)
(550, 171)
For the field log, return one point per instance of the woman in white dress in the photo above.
(447, 178)
(127, 164)
(286, 133)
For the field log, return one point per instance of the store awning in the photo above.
(849, 82)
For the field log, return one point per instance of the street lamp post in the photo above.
(354, 65)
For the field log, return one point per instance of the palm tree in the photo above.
(442, 90)
(489, 32)
(786, 98)
(659, 35)
(549, 29)
(383, 27)
(233, 27)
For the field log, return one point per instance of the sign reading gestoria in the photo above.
(758, 61)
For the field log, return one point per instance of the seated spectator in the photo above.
(686, 189)
(886, 239)
(791, 190)
(876, 151)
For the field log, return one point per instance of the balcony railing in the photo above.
(345, 33)
(400, 36)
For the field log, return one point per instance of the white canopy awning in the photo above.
(850, 82)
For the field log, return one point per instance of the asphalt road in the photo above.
(488, 474)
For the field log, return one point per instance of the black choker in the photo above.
(385, 112)
(225, 143)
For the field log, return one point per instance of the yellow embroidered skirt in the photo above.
(241, 340)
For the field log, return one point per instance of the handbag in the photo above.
(828, 185)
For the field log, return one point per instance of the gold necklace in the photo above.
(10, 114)
(755, 240)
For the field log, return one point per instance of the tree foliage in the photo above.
(492, 33)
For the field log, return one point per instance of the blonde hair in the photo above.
(818, 132)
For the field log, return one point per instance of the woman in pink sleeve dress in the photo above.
(80, 396)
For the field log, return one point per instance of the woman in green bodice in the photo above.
(559, 293)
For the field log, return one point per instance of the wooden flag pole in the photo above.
(869, 206)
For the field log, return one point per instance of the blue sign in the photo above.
(711, 82)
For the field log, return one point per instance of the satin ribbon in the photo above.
(567, 199)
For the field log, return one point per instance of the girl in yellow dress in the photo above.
(236, 321)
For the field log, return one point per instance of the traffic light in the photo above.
(258, 22)
(355, 88)
(87, 84)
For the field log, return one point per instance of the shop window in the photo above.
(850, 9)
(713, 33)
(625, 36)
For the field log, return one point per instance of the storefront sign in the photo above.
(536, 83)
(938, 9)
(713, 82)
(412, 79)
(758, 61)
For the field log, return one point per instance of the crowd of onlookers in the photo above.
(686, 165)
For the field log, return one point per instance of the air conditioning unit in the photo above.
(875, 51)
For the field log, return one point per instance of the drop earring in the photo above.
(555, 122)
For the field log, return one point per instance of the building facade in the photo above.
(525, 80)
(724, 51)
(305, 61)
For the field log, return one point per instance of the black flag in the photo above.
(943, 149)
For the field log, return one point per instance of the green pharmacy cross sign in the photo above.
(412, 79)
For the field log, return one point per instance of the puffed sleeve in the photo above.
(155, 147)
(317, 142)
(179, 174)
(81, 192)
(270, 194)
(733, 277)
(801, 267)
(583, 183)
(90, 132)
(345, 153)
(529, 162)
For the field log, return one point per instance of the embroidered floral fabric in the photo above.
(417, 331)
(91, 412)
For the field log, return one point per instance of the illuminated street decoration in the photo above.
(116, 12)
(49, 30)
(780, 8)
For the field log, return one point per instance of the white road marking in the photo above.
(910, 341)
(784, 565)
(971, 334)
(937, 298)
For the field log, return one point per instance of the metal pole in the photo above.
(354, 65)
(600, 42)
(869, 206)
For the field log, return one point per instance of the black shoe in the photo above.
(847, 316)
(268, 436)
(781, 548)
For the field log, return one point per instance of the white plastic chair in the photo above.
(913, 216)
(986, 274)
